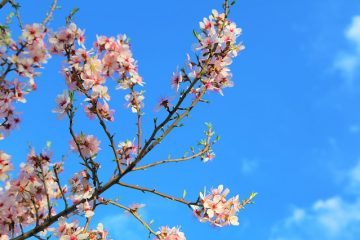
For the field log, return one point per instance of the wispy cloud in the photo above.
(348, 63)
(124, 227)
(248, 165)
(354, 175)
(334, 218)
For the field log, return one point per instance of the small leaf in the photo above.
(71, 15)
(184, 194)
(196, 35)
(252, 195)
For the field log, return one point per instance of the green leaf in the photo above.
(196, 35)
(252, 195)
(69, 18)
(184, 194)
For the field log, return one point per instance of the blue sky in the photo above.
(290, 128)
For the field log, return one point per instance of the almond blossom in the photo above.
(63, 104)
(23, 58)
(216, 209)
(173, 233)
(135, 101)
(80, 186)
(127, 151)
(5, 166)
(88, 145)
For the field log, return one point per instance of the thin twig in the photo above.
(138, 123)
(142, 189)
(16, 6)
(175, 160)
(107, 132)
(57, 180)
(46, 190)
(50, 13)
(136, 215)
(3, 3)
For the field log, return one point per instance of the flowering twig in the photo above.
(139, 114)
(108, 135)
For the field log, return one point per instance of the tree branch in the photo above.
(3, 3)
(142, 189)
(136, 215)
(175, 160)
(50, 13)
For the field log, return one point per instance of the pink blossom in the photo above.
(176, 80)
(135, 101)
(80, 186)
(88, 145)
(216, 209)
(127, 151)
(167, 233)
(103, 109)
(5, 166)
(63, 104)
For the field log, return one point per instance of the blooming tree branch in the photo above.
(38, 197)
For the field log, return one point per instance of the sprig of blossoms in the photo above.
(216, 209)
(217, 47)
(88, 70)
(24, 200)
(23, 58)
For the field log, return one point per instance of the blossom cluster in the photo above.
(28, 199)
(72, 231)
(88, 70)
(81, 188)
(88, 145)
(217, 46)
(216, 209)
(19, 62)
(127, 151)
(167, 233)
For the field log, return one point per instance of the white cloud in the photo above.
(348, 63)
(354, 176)
(353, 32)
(354, 129)
(124, 227)
(334, 218)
